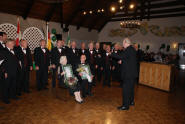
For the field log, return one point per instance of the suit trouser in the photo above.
(128, 91)
(9, 88)
(98, 73)
(116, 74)
(25, 80)
(42, 77)
(19, 79)
(54, 77)
(107, 76)
(83, 84)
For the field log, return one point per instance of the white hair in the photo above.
(62, 58)
(127, 40)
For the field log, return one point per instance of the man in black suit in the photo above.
(82, 50)
(65, 48)
(128, 73)
(3, 38)
(24, 55)
(73, 56)
(2, 73)
(107, 64)
(90, 55)
(98, 61)
(42, 63)
(56, 53)
(11, 67)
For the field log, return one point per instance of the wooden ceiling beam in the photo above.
(148, 9)
(166, 4)
(159, 5)
(28, 9)
(50, 12)
(96, 19)
(162, 11)
(85, 17)
(61, 15)
(142, 13)
(75, 13)
(156, 16)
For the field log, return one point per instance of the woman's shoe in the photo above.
(80, 102)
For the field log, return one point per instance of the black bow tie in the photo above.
(24, 49)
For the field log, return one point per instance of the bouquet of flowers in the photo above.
(85, 73)
(71, 82)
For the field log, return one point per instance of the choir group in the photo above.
(16, 62)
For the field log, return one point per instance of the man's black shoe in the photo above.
(123, 108)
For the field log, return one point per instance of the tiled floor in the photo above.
(56, 106)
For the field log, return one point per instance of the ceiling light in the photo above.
(113, 9)
(131, 6)
(84, 12)
(120, 1)
(90, 12)
(102, 10)
(121, 7)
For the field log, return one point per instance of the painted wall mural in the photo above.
(146, 28)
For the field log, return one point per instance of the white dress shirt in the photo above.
(60, 50)
(91, 51)
(43, 49)
(24, 50)
(73, 50)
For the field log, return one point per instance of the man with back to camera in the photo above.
(128, 62)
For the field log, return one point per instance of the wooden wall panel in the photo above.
(156, 75)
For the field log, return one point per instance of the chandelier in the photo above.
(130, 24)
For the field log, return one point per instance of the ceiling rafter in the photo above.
(85, 17)
(61, 14)
(75, 13)
(28, 9)
(50, 12)
(156, 16)
(162, 11)
(96, 19)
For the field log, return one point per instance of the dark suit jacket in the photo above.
(73, 58)
(81, 52)
(65, 48)
(2, 70)
(11, 62)
(90, 57)
(114, 60)
(107, 61)
(20, 55)
(129, 63)
(98, 57)
(40, 59)
(55, 56)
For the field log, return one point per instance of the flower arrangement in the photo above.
(85, 73)
(71, 82)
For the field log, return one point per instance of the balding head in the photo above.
(126, 42)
